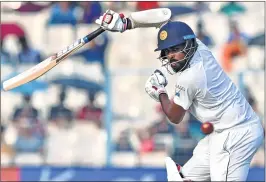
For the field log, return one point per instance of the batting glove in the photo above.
(155, 85)
(113, 21)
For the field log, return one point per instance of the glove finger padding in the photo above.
(152, 93)
(112, 21)
(158, 79)
(154, 89)
(161, 77)
(99, 20)
(106, 18)
(115, 22)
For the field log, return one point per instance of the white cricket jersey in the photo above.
(209, 94)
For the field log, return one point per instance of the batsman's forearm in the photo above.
(166, 104)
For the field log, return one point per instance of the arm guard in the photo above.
(149, 18)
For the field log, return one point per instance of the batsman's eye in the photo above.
(167, 52)
(174, 49)
(171, 51)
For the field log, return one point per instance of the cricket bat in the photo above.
(46, 65)
(141, 19)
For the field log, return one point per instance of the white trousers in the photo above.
(225, 156)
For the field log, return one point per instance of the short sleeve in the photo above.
(185, 91)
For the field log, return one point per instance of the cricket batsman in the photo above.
(203, 89)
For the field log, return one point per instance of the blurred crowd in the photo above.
(29, 132)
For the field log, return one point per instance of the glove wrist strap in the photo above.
(129, 24)
(161, 91)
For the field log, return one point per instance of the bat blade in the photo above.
(46, 65)
(39, 69)
(29, 75)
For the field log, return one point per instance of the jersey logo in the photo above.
(178, 88)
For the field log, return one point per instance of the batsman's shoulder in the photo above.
(193, 71)
(192, 76)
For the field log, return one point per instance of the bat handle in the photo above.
(93, 34)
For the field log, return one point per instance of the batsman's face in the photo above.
(175, 53)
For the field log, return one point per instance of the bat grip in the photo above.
(93, 34)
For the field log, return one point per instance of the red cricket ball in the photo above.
(207, 128)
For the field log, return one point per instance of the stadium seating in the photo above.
(65, 140)
(28, 159)
(153, 159)
(57, 37)
(11, 44)
(6, 159)
(125, 159)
